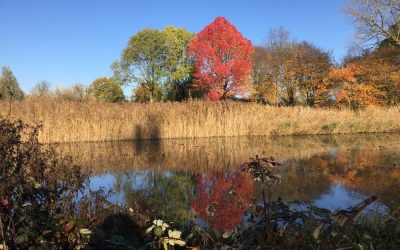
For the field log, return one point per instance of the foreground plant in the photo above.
(165, 238)
(276, 224)
(37, 189)
(45, 200)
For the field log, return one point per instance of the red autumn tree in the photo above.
(223, 60)
(222, 199)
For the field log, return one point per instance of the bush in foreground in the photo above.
(45, 200)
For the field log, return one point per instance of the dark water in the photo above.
(177, 179)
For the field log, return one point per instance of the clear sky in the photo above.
(65, 42)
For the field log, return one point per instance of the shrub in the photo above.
(41, 88)
(38, 189)
(77, 92)
(106, 90)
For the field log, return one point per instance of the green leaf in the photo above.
(158, 231)
(21, 239)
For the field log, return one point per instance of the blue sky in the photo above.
(65, 42)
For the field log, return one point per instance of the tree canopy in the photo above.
(288, 72)
(172, 64)
(223, 60)
(106, 90)
(153, 59)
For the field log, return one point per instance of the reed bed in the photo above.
(73, 121)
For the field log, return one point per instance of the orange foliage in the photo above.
(381, 69)
(344, 88)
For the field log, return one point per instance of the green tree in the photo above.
(143, 61)
(155, 60)
(180, 67)
(106, 90)
(9, 86)
(142, 93)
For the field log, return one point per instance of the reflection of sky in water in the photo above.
(339, 197)
(105, 180)
(109, 182)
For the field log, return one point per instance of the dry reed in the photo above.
(72, 121)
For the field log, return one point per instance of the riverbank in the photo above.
(69, 121)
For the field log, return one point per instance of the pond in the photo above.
(180, 178)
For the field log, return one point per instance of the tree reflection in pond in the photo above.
(163, 194)
(186, 177)
(222, 198)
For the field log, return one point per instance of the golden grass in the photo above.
(69, 121)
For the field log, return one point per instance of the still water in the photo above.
(178, 178)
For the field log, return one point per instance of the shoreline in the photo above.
(297, 136)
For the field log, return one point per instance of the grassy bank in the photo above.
(69, 121)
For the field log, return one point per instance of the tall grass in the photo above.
(71, 121)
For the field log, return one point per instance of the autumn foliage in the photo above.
(223, 60)
(222, 199)
(381, 69)
(343, 87)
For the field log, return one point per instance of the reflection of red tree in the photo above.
(226, 195)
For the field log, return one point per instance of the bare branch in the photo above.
(376, 19)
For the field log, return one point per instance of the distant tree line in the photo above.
(219, 63)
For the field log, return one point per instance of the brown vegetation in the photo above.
(69, 121)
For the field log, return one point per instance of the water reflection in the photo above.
(178, 179)
(194, 155)
(341, 197)
(222, 198)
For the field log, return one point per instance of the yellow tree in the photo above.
(264, 88)
(309, 66)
